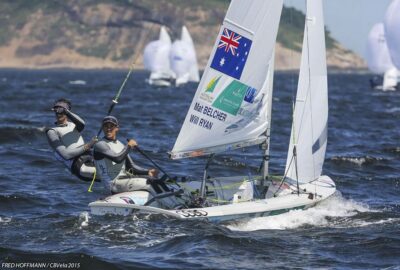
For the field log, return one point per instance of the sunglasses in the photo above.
(109, 126)
(59, 110)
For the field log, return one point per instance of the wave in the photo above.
(360, 161)
(394, 150)
(5, 219)
(393, 110)
(16, 200)
(73, 260)
(20, 134)
(322, 215)
(78, 82)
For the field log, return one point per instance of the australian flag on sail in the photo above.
(231, 54)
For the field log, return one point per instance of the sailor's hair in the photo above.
(64, 100)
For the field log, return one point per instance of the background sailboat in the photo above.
(379, 60)
(183, 59)
(392, 31)
(156, 60)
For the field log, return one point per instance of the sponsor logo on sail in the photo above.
(250, 95)
(207, 94)
(211, 85)
(231, 98)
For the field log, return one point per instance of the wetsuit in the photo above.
(69, 147)
(118, 171)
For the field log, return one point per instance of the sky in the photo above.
(350, 21)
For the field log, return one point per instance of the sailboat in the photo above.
(183, 59)
(156, 60)
(379, 60)
(231, 110)
(392, 32)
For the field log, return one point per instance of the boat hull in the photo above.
(312, 194)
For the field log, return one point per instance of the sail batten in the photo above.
(231, 101)
(217, 148)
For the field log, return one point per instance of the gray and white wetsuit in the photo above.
(115, 166)
(68, 145)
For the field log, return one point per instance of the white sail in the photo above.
(309, 128)
(392, 30)
(184, 60)
(156, 57)
(378, 57)
(194, 74)
(390, 79)
(229, 109)
(164, 36)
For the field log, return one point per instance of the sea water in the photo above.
(44, 217)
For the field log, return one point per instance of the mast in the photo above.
(269, 83)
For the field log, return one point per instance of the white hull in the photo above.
(382, 88)
(159, 82)
(324, 187)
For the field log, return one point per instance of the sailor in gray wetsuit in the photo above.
(118, 172)
(67, 142)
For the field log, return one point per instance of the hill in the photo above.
(111, 33)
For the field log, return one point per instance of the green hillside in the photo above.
(64, 17)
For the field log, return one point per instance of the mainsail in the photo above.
(310, 121)
(229, 109)
(392, 30)
(378, 57)
(156, 56)
(183, 59)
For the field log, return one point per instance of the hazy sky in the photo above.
(350, 20)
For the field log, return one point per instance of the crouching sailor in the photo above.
(118, 172)
(68, 145)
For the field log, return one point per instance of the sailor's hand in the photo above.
(90, 144)
(132, 143)
(153, 172)
(93, 141)
(59, 110)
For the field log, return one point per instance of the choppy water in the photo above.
(43, 209)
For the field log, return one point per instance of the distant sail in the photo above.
(184, 60)
(156, 57)
(229, 109)
(378, 57)
(310, 123)
(392, 30)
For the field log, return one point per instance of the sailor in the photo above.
(67, 142)
(118, 172)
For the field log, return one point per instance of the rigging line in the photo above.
(293, 96)
(294, 151)
(284, 177)
(115, 99)
(308, 94)
(309, 88)
(292, 66)
(94, 178)
(152, 161)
